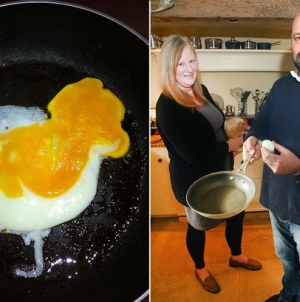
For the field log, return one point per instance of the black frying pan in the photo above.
(43, 47)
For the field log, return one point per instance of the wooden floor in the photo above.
(172, 271)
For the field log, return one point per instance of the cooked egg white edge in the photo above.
(32, 212)
(12, 116)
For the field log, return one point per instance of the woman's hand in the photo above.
(234, 143)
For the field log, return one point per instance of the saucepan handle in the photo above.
(245, 163)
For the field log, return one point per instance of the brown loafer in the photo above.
(209, 284)
(251, 264)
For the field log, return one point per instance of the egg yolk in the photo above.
(48, 157)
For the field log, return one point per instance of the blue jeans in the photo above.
(287, 247)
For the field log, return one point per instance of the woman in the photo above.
(192, 128)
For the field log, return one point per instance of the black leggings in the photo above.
(195, 239)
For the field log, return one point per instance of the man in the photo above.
(279, 121)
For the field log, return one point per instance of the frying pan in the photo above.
(222, 194)
(103, 254)
(267, 45)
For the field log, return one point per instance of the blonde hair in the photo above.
(169, 57)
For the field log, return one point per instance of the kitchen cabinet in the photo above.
(163, 202)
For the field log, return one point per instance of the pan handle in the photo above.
(276, 43)
(245, 163)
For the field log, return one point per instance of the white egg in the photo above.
(267, 144)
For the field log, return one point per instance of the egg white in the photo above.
(32, 212)
(12, 116)
(32, 216)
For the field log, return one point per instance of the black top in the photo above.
(279, 120)
(191, 142)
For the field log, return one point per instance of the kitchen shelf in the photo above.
(242, 60)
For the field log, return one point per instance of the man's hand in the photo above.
(283, 161)
(252, 145)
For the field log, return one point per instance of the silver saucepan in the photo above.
(222, 194)
(248, 44)
(213, 43)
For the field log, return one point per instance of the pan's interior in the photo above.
(221, 194)
(221, 200)
(44, 47)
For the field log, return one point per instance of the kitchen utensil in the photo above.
(237, 92)
(258, 97)
(232, 44)
(156, 41)
(248, 44)
(223, 194)
(241, 96)
(267, 45)
(195, 42)
(244, 99)
(230, 110)
(103, 254)
(218, 100)
(213, 43)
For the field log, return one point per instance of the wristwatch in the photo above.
(297, 176)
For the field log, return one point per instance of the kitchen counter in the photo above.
(159, 144)
(156, 141)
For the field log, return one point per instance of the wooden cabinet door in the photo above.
(162, 199)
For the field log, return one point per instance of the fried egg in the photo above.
(49, 167)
